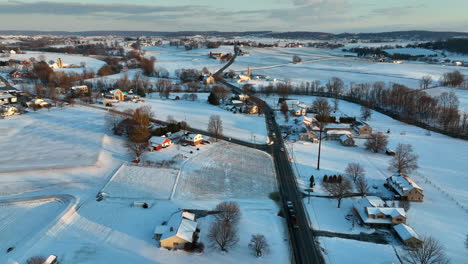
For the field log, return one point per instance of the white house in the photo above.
(373, 211)
(194, 139)
(299, 111)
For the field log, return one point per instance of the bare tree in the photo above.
(361, 185)
(425, 81)
(228, 212)
(338, 189)
(321, 107)
(259, 244)
(405, 204)
(223, 235)
(377, 142)
(215, 126)
(366, 113)
(36, 260)
(404, 160)
(431, 252)
(112, 119)
(170, 120)
(355, 170)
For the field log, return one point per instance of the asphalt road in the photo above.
(303, 245)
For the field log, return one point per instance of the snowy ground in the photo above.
(81, 230)
(57, 138)
(197, 115)
(344, 250)
(141, 183)
(91, 63)
(318, 64)
(441, 174)
(227, 171)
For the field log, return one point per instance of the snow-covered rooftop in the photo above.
(180, 224)
(402, 183)
(155, 140)
(405, 232)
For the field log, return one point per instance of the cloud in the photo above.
(43, 7)
(315, 2)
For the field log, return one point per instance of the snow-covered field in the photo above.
(57, 138)
(91, 63)
(318, 64)
(441, 174)
(80, 229)
(227, 171)
(197, 115)
(141, 183)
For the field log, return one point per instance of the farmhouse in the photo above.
(362, 128)
(80, 88)
(373, 211)
(179, 230)
(299, 111)
(309, 136)
(157, 143)
(6, 98)
(193, 139)
(347, 140)
(405, 187)
(336, 134)
(304, 120)
(408, 235)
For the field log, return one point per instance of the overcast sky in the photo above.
(235, 15)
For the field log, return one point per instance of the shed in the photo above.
(408, 235)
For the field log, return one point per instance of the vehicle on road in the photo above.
(282, 149)
(294, 221)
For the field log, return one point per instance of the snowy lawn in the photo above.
(325, 215)
(23, 222)
(340, 251)
(141, 183)
(114, 231)
(59, 138)
(197, 115)
(227, 171)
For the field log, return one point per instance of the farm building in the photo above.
(372, 211)
(299, 111)
(362, 128)
(408, 235)
(304, 120)
(193, 139)
(347, 140)
(157, 143)
(80, 88)
(336, 134)
(179, 230)
(309, 136)
(405, 187)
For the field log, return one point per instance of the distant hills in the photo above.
(405, 35)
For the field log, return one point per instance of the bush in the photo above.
(275, 196)
(347, 119)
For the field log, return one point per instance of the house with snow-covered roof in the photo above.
(177, 231)
(405, 188)
(157, 143)
(373, 211)
(193, 139)
(347, 140)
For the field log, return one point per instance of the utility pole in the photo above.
(320, 146)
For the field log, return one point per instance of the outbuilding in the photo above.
(157, 143)
(408, 236)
